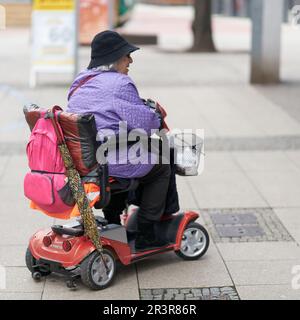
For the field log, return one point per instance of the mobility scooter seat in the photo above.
(71, 231)
(76, 228)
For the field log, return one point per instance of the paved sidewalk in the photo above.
(252, 164)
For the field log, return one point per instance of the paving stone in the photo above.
(239, 231)
(205, 292)
(185, 291)
(258, 224)
(157, 291)
(146, 291)
(226, 289)
(196, 291)
(246, 218)
(192, 298)
(168, 297)
(253, 143)
(179, 297)
(224, 297)
(146, 297)
(172, 291)
(198, 294)
(215, 291)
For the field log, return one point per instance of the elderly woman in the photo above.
(105, 90)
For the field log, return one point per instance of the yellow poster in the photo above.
(54, 4)
(54, 38)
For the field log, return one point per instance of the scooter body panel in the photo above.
(81, 247)
(170, 229)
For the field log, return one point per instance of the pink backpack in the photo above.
(46, 185)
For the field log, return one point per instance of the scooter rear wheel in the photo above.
(31, 262)
(93, 272)
(194, 242)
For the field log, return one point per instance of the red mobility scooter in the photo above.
(66, 250)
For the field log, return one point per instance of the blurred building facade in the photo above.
(18, 12)
(240, 8)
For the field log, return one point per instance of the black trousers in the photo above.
(153, 190)
(115, 207)
(150, 196)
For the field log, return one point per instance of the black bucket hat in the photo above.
(108, 47)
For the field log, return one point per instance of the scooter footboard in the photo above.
(169, 230)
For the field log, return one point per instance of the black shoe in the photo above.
(143, 244)
(113, 218)
(146, 239)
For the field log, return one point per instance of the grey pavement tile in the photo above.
(295, 157)
(12, 256)
(124, 287)
(268, 292)
(15, 131)
(201, 218)
(177, 114)
(258, 251)
(215, 70)
(186, 200)
(13, 195)
(220, 162)
(264, 161)
(226, 118)
(3, 164)
(53, 85)
(262, 272)
(225, 190)
(18, 279)
(13, 127)
(280, 189)
(18, 223)
(250, 103)
(20, 295)
(278, 94)
(245, 225)
(169, 271)
(15, 172)
(290, 219)
(13, 97)
(254, 144)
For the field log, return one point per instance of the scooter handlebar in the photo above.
(159, 110)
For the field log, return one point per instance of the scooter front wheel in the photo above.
(194, 242)
(94, 273)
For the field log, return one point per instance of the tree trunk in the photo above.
(202, 30)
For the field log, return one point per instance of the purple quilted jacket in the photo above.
(112, 97)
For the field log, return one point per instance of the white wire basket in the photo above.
(188, 149)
